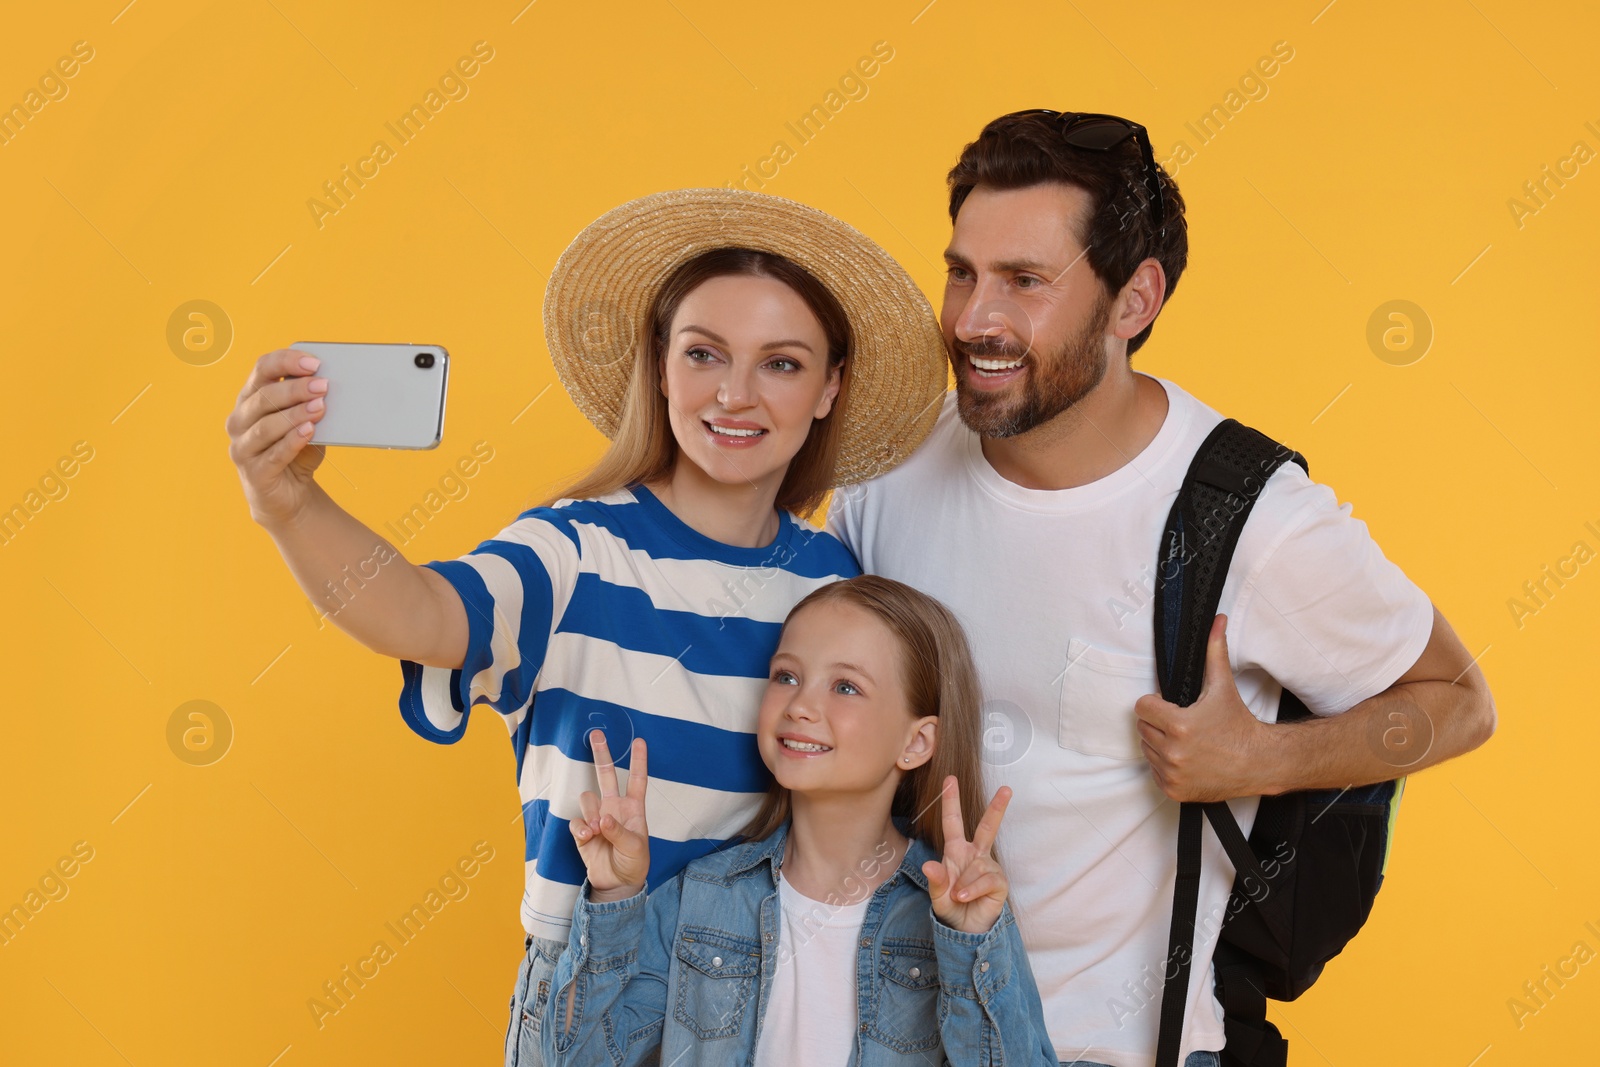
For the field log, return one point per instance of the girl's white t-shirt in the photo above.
(810, 1016)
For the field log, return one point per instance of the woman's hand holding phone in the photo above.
(270, 428)
(411, 612)
(612, 836)
(968, 888)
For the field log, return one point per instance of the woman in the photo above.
(836, 934)
(745, 354)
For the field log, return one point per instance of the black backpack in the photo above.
(1306, 878)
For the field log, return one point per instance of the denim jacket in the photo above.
(688, 970)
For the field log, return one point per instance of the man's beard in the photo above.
(1051, 382)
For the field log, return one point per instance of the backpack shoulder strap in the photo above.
(1221, 487)
(1223, 483)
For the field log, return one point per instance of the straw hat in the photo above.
(603, 285)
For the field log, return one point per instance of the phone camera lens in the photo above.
(424, 360)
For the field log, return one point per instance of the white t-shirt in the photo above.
(810, 1016)
(1054, 588)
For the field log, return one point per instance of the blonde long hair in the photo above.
(940, 679)
(643, 448)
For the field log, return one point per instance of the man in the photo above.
(1035, 511)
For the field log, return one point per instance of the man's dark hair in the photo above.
(1018, 151)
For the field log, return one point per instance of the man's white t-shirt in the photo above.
(1054, 589)
(810, 1016)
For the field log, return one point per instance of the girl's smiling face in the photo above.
(834, 718)
(745, 375)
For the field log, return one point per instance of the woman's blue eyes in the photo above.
(788, 365)
(848, 686)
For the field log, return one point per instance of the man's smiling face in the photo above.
(1024, 317)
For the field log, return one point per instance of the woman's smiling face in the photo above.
(745, 375)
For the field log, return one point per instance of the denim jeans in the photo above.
(1194, 1059)
(527, 1000)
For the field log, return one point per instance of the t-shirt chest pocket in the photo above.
(1098, 691)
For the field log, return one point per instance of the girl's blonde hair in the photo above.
(940, 679)
(643, 448)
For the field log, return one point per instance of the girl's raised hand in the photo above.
(968, 888)
(611, 835)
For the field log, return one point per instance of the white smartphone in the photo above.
(380, 395)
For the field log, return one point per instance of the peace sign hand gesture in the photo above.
(611, 836)
(968, 888)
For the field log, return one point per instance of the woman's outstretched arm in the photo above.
(366, 587)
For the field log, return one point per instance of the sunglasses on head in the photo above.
(1100, 133)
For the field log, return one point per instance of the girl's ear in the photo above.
(921, 744)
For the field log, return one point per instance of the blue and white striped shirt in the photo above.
(616, 614)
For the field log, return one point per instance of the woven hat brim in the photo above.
(604, 283)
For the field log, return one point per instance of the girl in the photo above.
(779, 353)
(813, 942)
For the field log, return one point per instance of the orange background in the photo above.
(1379, 163)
